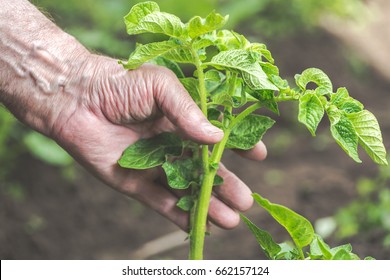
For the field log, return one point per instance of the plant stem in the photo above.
(203, 105)
(200, 209)
(198, 230)
(244, 114)
(301, 255)
(210, 166)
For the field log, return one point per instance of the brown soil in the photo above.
(83, 219)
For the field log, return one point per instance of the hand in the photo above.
(115, 108)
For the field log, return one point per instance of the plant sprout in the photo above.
(233, 78)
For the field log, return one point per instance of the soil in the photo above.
(58, 218)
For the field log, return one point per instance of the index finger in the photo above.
(258, 152)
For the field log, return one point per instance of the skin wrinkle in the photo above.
(159, 90)
(111, 110)
(10, 58)
(181, 107)
(140, 107)
(95, 108)
(132, 106)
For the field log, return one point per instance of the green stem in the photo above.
(244, 114)
(301, 255)
(198, 230)
(287, 95)
(203, 105)
(202, 86)
(200, 209)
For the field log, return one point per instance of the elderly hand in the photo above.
(118, 108)
(94, 109)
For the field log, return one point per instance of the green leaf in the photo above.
(146, 17)
(299, 228)
(202, 43)
(181, 55)
(279, 82)
(171, 65)
(345, 135)
(198, 26)
(230, 40)
(213, 114)
(352, 106)
(247, 133)
(343, 101)
(346, 247)
(240, 96)
(316, 76)
(148, 153)
(218, 180)
(179, 173)
(334, 114)
(217, 124)
(340, 97)
(288, 252)
(262, 49)
(138, 12)
(266, 98)
(264, 239)
(311, 111)
(144, 53)
(192, 86)
(342, 254)
(269, 69)
(213, 79)
(319, 250)
(369, 134)
(186, 203)
(221, 95)
(245, 63)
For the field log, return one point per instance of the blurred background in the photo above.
(50, 208)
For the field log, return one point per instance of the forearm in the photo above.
(38, 65)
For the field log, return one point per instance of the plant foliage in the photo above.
(233, 78)
(301, 232)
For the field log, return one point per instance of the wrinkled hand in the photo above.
(118, 107)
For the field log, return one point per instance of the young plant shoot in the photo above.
(232, 79)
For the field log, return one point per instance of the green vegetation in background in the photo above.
(97, 24)
(16, 139)
(306, 245)
(6, 123)
(7, 154)
(370, 211)
(93, 22)
(281, 17)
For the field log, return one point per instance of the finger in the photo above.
(258, 152)
(159, 199)
(219, 213)
(178, 106)
(222, 215)
(233, 191)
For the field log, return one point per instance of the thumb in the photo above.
(178, 106)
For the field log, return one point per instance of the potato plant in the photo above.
(233, 78)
